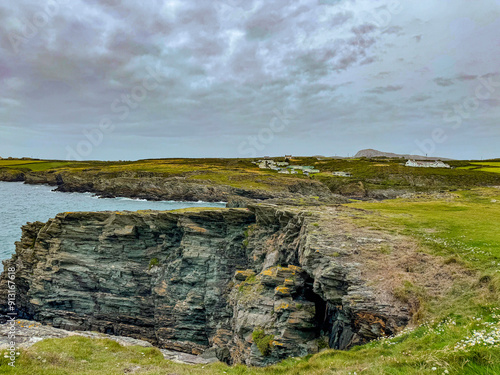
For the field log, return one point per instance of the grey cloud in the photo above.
(365, 28)
(385, 89)
(366, 61)
(341, 18)
(443, 81)
(466, 77)
(397, 30)
(420, 98)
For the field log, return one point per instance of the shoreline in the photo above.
(95, 195)
(155, 187)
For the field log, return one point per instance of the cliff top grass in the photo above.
(485, 166)
(374, 173)
(462, 226)
(457, 228)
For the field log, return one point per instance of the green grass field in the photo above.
(458, 333)
(16, 162)
(42, 166)
(464, 225)
(486, 166)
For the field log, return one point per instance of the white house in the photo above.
(342, 174)
(427, 164)
(312, 170)
(266, 164)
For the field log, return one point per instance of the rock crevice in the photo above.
(249, 286)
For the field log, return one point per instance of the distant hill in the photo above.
(371, 153)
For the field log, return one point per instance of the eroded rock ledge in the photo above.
(249, 286)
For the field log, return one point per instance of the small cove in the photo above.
(21, 203)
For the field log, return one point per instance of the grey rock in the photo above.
(204, 281)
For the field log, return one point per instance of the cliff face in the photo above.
(151, 186)
(11, 176)
(245, 285)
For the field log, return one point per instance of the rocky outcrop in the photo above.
(11, 175)
(152, 186)
(249, 286)
(154, 276)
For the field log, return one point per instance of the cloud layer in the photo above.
(236, 78)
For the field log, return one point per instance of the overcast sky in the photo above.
(123, 79)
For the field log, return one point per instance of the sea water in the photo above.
(21, 203)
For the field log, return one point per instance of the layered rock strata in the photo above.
(249, 286)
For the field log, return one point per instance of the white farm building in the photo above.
(427, 164)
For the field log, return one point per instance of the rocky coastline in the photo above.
(154, 187)
(241, 285)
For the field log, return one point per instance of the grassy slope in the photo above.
(463, 225)
(485, 166)
(460, 228)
